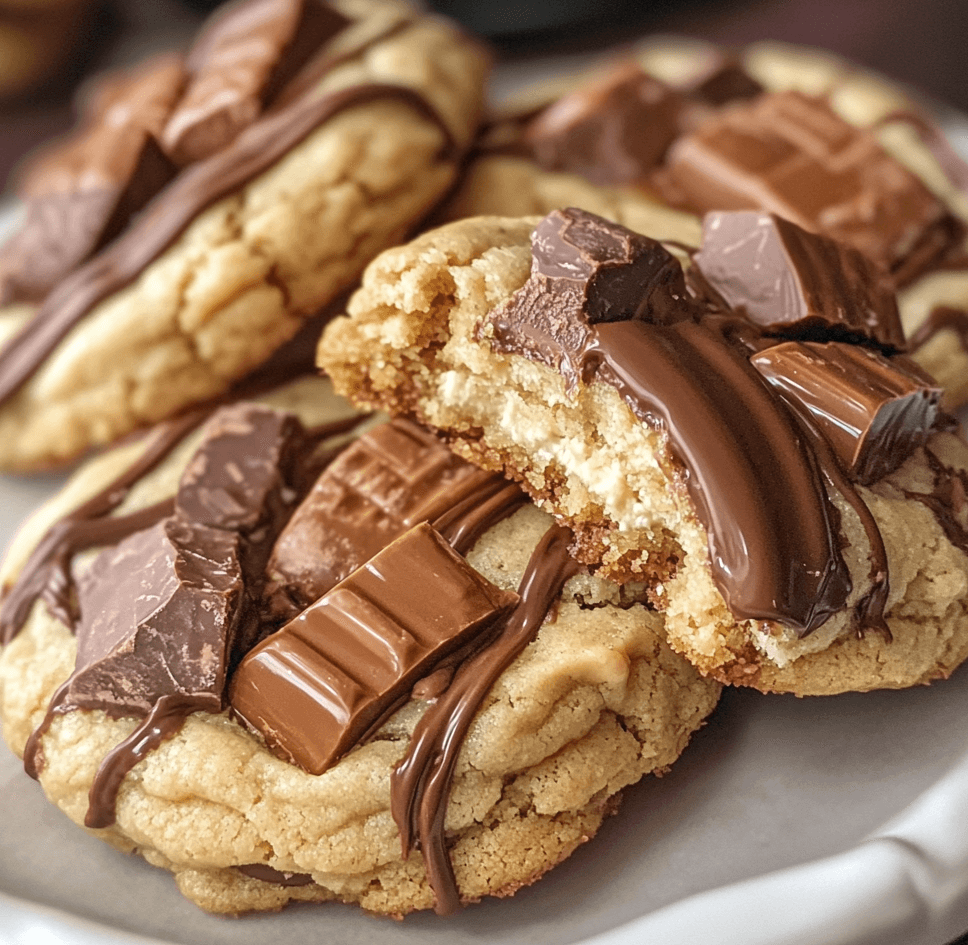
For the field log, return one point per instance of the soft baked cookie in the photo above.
(772, 126)
(754, 448)
(520, 707)
(295, 140)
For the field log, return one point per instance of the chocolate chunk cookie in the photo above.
(288, 652)
(744, 437)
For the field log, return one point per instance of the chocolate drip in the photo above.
(163, 722)
(47, 570)
(750, 472)
(475, 514)
(33, 762)
(420, 784)
(947, 499)
(256, 148)
(941, 318)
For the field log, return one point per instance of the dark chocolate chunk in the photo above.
(613, 131)
(874, 411)
(158, 615)
(81, 194)
(241, 60)
(318, 685)
(393, 477)
(793, 155)
(586, 270)
(722, 80)
(795, 283)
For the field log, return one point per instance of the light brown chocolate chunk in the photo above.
(314, 688)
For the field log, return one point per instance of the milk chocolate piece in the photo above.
(318, 685)
(586, 270)
(792, 155)
(611, 132)
(723, 80)
(390, 479)
(81, 194)
(873, 411)
(158, 614)
(796, 283)
(244, 57)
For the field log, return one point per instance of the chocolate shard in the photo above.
(795, 283)
(244, 477)
(158, 615)
(328, 677)
(872, 410)
(723, 79)
(613, 131)
(81, 194)
(395, 476)
(791, 154)
(586, 270)
(238, 64)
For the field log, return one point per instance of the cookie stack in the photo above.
(292, 649)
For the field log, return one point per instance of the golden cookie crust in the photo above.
(596, 702)
(251, 268)
(410, 344)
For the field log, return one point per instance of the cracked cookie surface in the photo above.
(594, 703)
(414, 343)
(253, 266)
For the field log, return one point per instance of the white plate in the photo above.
(788, 822)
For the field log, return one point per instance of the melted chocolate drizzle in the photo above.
(941, 318)
(420, 784)
(258, 147)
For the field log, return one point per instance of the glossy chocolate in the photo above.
(80, 194)
(255, 149)
(390, 479)
(586, 270)
(317, 686)
(874, 411)
(244, 56)
(791, 154)
(795, 283)
(749, 470)
(613, 131)
(420, 784)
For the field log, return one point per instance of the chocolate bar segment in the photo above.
(81, 194)
(390, 479)
(586, 270)
(873, 411)
(613, 131)
(158, 614)
(238, 64)
(791, 154)
(723, 79)
(795, 283)
(318, 685)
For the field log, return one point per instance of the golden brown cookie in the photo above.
(591, 698)
(261, 211)
(784, 557)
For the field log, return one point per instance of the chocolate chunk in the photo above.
(244, 58)
(586, 270)
(317, 686)
(390, 479)
(793, 155)
(158, 615)
(796, 283)
(81, 194)
(873, 411)
(723, 80)
(613, 131)
(244, 477)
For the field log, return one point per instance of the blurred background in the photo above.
(48, 47)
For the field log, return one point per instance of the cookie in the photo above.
(729, 443)
(786, 129)
(294, 141)
(445, 722)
